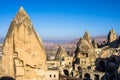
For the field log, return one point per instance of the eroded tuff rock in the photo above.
(110, 66)
(61, 52)
(23, 53)
(94, 43)
(87, 37)
(111, 36)
(84, 46)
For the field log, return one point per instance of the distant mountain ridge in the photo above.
(98, 39)
(51, 46)
(69, 45)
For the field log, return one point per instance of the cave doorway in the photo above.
(102, 65)
(87, 76)
(66, 72)
(96, 77)
(79, 68)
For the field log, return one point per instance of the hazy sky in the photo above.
(64, 19)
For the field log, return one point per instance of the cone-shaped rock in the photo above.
(61, 52)
(86, 36)
(94, 43)
(24, 57)
(111, 36)
(84, 45)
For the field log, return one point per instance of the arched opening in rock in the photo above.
(87, 76)
(102, 65)
(77, 61)
(72, 74)
(79, 68)
(62, 59)
(66, 72)
(96, 77)
(80, 76)
(85, 54)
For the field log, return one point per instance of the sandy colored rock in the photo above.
(94, 43)
(24, 56)
(84, 45)
(87, 36)
(111, 36)
(61, 52)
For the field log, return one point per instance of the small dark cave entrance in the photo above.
(79, 68)
(6, 78)
(96, 77)
(102, 65)
(87, 76)
(66, 72)
(80, 71)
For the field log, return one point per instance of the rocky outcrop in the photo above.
(111, 36)
(84, 45)
(61, 52)
(113, 41)
(110, 66)
(87, 37)
(94, 43)
(24, 56)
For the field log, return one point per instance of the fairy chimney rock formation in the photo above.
(111, 36)
(87, 36)
(24, 56)
(84, 45)
(61, 52)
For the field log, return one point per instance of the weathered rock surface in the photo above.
(94, 43)
(111, 36)
(84, 45)
(110, 66)
(24, 56)
(61, 52)
(105, 53)
(87, 37)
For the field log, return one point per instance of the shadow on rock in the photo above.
(6, 78)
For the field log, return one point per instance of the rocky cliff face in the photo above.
(24, 57)
(111, 36)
